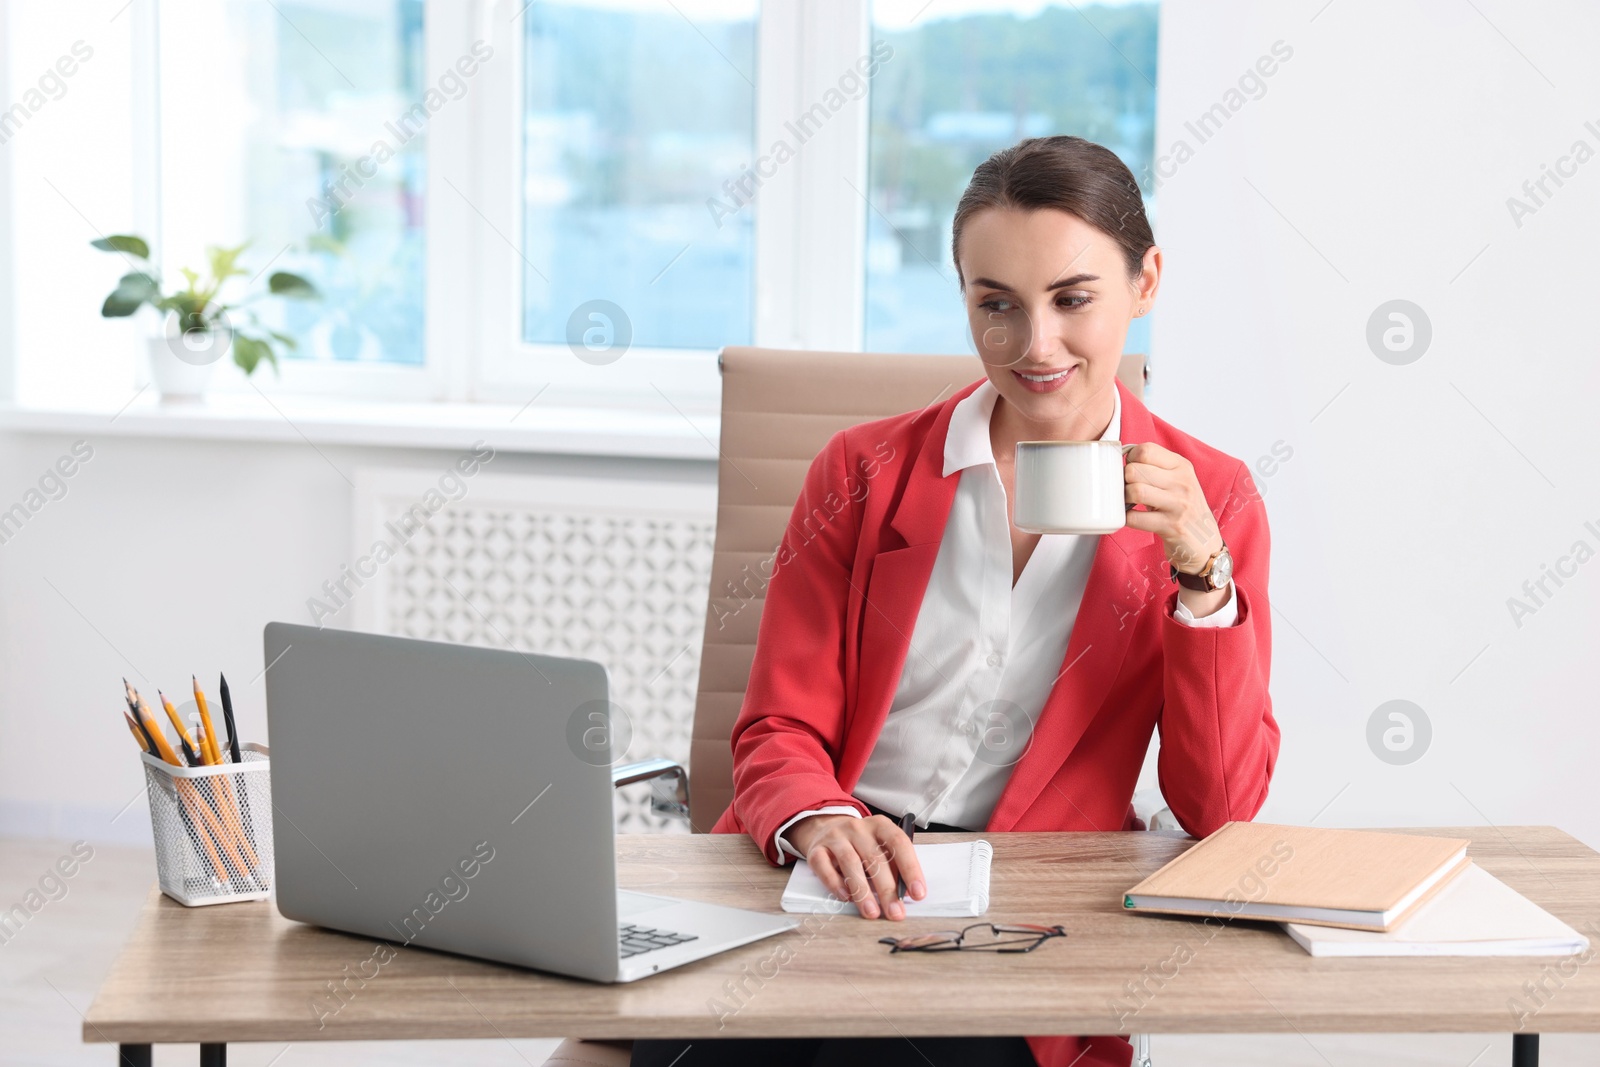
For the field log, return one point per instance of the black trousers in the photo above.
(839, 1051)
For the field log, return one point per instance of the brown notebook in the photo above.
(1361, 879)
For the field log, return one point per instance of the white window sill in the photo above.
(319, 421)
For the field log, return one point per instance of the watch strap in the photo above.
(1201, 582)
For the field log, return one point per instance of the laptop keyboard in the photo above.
(637, 939)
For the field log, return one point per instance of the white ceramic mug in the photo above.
(1070, 487)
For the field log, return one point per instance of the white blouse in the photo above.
(984, 653)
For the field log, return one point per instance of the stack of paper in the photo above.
(1475, 915)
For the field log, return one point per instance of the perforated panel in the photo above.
(564, 567)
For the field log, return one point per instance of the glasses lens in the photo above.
(979, 936)
(923, 941)
(994, 936)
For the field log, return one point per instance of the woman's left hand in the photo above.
(1165, 483)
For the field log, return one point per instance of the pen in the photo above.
(233, 749)
(227, 717)
(908, 826)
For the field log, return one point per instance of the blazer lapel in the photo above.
(895, 587)
(1096, 649)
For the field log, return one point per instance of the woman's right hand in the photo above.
(858, 859)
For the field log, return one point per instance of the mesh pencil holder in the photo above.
(213, 828)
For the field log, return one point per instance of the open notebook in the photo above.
(1475, 915)
(957, 874)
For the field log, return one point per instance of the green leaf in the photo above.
(124, 242)
(189, 276)
(284, 339)
(190, 308)
(133, 291)
(119, 306)
(292, 285)
(224, 261)
(141, 281)
(249, 352)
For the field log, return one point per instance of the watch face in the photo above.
(1222, 570)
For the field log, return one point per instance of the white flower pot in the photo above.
(181, 365)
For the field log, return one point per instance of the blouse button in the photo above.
(995, 659)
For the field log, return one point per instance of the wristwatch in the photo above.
(1217, 572)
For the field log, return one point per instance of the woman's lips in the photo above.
(1064, 375)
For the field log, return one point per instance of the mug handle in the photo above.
(1125, 449)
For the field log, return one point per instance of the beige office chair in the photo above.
(778, 409)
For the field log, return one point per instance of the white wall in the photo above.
(1377, 166)
(162, 559)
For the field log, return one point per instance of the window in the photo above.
(633, 116)
(294, 124)
(584, 199)
(963, 85)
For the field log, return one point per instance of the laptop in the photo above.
(459, 798)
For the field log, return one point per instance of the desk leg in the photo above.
(214, 1055)
(133, 1056)
(1524, 1050)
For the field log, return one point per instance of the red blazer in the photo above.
(842, 601)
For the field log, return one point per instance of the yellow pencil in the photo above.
(177, 724)
(227, 807)
(188, 797)
(205, 722)
(146, 716)
(133, 728)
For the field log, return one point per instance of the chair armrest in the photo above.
(669, 792)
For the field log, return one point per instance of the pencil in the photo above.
(190, 805)
(184, 738)
(133, 728)
(205, 722)
(217, 792)
(222, 793)
(148, 720)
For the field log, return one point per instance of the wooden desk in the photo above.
(240, 972)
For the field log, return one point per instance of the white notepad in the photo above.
(957, 874)
(1476, 914)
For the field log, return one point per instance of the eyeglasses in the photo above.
(1020, 937)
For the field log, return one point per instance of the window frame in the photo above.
(798, 286)
(448, 131)
(808, 273)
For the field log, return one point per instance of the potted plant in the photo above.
(198, 327)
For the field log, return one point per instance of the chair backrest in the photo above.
(779, 408)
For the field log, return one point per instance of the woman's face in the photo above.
(1049, 300)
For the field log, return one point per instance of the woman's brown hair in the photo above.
(1066, 173)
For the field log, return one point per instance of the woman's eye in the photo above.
(995, 305)
(1073, 301)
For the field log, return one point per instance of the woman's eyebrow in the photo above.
(1076, 279)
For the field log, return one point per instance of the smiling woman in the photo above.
(1035, 691)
